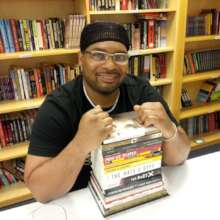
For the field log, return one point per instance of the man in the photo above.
(75, 119)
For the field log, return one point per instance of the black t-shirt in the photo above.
(58, 118)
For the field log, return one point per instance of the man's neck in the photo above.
(104, 100)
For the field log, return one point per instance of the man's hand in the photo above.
(153, 113)
(95, 125)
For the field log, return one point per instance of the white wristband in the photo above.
(173, 136)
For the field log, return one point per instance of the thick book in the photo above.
(126, 126)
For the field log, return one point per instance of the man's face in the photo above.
(104, 75)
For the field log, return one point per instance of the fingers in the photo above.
(150, 113)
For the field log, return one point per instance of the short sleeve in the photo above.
(51, 131)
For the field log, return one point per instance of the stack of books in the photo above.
(126, 168)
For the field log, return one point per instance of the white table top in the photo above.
(194, 189)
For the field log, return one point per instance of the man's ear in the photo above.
(80, 58)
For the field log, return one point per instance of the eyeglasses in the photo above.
(118, 58)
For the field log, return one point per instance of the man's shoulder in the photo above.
(133, 81)
(66, 96)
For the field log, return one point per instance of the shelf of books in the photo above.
(202, 38)
(21, 105)
(200, 82)
(14, 193)
(213, 74)
(199, 110)
(14, 151)
(39, 48)
(41, 53)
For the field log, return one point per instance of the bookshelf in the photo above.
(29, 9)
(33, 54)
(193, 81)
(177, 43)
(14, 151)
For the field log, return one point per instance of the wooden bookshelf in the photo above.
(199, 110)
(205, 140)
(14, 193)
(14, 151)
(160, 82)
(113, 12)
(202, 38)
(41, 53)
(214, 74)
(150, 51)
(15, 106)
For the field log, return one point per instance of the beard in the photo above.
(102, 88)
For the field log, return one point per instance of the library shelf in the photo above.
(199, 110)
(150, 51)
(40, 53)
(14, 151)
(205, 140)
(21, 105)
(160, 82)
(139, 11)
(202, 38)
(214, 74)
(14, 193)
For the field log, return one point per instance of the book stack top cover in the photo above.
(126, 168)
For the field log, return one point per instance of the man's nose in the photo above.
(110, 62)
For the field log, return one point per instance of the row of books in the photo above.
(74, 25)
(185, 98)
(209, 91)
(99, 5)
(201, 124)
(11, 171)
(35, 35)
(27, 83)
(126, 168)
(16, 127)
(204, 24)
(200, 61)
(6, 178)
(146, 34)
(150, 67)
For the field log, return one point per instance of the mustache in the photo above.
(110, 72)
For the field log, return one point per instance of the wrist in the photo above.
(173, 135)
(80, 146)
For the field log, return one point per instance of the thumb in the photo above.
(137, 108)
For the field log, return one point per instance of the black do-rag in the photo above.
(103, 31)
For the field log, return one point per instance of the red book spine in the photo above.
(14, 34)
(2, 136)
(124, 5)
(39, 81)
(2, 49)
(43, 34)
(151, 34)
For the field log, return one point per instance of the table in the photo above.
(194, 189)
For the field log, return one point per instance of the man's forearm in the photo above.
(176, 151)
(57, 175)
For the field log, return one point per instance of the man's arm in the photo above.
(49, 178)
(176, 146)
(176, 149)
